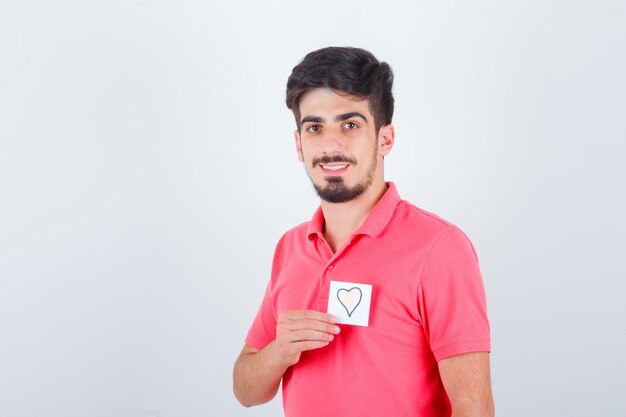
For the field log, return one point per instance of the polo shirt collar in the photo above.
(375, 222)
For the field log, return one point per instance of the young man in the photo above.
(422, 348)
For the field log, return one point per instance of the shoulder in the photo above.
(419, 214)
(414, 220)
(291, 246)
(292, 239)
(296, 233)
(430, 229)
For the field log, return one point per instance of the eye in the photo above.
(350, 125)
(313, 128)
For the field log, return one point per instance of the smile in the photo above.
(334, 167)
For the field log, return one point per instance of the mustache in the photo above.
(335, 158)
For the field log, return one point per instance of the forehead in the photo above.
(325, 101)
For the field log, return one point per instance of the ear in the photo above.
(296, 136)
(386, 139)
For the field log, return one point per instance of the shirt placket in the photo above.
(330, 270)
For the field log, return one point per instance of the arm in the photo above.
(466, 378)
(257, 373)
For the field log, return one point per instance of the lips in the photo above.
(334, 164)
(334, 169)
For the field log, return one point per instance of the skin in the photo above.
(340, 126)
(354, 138)
(466, 378)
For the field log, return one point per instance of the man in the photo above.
(422, 348)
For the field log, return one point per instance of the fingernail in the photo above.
(336, 329)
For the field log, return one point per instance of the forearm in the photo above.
(257, 376)
(257, 373)
(485, 409)
(466, 378)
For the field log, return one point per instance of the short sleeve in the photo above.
(263, 329)
(451, 298)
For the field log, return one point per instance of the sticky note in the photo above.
(350, 302)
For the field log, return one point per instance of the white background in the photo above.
(147, 170)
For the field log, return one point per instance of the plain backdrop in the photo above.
(147, 170)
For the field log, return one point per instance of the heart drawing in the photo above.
(350, 299)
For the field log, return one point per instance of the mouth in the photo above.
(334, 168)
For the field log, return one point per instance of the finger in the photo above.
(309, 345)
(307, 335)
(309, 314)
(309, 324)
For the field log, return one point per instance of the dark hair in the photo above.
(349, 71)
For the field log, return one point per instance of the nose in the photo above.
(332, 142)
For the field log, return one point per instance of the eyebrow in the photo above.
(311, 119)
(350, 115)
(339, 118)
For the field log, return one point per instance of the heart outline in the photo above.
(349, 291)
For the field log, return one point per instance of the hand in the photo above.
(301, 330)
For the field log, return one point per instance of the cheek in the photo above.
(306, 157)
(309, 152)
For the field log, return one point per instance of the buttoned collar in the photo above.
(375, 222)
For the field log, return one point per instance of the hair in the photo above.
(347, 71)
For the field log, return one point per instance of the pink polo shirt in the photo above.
(428, 303)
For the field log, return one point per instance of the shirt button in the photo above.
(331, 266)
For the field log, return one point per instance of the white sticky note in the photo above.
(350, 302)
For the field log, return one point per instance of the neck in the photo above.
(341, 220)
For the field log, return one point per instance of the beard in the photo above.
(335, 189)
